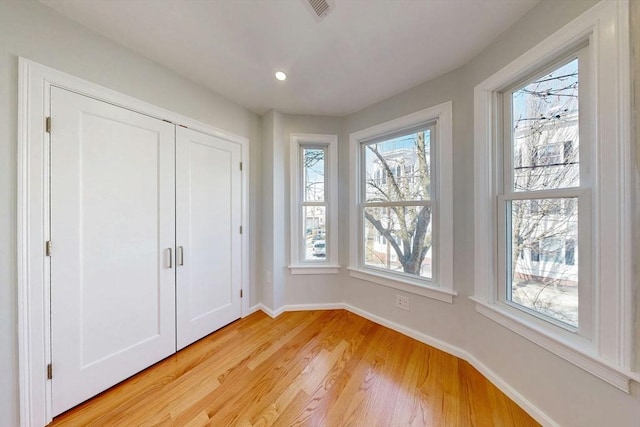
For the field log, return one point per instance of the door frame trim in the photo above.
(34, 346)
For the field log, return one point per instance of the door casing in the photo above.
(34, 341)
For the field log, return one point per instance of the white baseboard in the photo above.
(297, 307)
(511, 392)
(309, 307)
(271, 313)
(490, 375)
(253, 309)
(419, 336)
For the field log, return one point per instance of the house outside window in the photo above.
(542, 128)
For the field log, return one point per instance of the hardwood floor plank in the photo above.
(407, 408)
(315, 407)
(267, 377)
(293, 361)
(360, 373)
(276, 345)
(317, 368)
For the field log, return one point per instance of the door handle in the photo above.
(170, 257)
(181, 253)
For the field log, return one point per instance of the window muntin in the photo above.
(398, 204)
(544, 184)
(313, 202)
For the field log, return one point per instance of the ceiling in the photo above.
(363, 51)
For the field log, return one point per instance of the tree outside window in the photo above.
(398, 207)
(544, 119)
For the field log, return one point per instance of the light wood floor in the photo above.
(314, 368)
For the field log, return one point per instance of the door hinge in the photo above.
(240, 165)
(47, 248)
(47, 124)
(241, 294)
(49, 371)
(240, 229)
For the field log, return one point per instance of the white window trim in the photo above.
(330, 264)
(608, 354)
(442, 287)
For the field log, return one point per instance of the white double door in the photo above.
(146, 248)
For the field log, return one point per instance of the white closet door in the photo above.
(112, 224)
(208, 201)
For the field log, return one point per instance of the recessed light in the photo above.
(281, 76)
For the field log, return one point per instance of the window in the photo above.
(542, 117)
(397, 210)
(314, 201)
(401, 216)
(552, 229)
(314, 204)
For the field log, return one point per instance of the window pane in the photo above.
(545, 131)
(544, 257)
(399, 239)
(313, 174)
(399, 169)
(315, 232)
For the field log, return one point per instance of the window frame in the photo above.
(606, 351)
(310, 204)
(440, 287)
(396, 172)
(329, 143)
(507, 191)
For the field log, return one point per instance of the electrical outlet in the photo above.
(402, 302)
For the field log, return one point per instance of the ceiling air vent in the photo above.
(320, 8)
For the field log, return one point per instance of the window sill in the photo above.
(407, 285)
(584, 358)
(314, 269)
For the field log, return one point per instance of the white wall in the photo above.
(273, 218)
(33, 31)
(307, 289)
(567, 394)
(635, 71)
(435, 318)
(265, 260)
(279, 286)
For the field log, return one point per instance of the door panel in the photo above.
(208, 197)
(112, 224)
